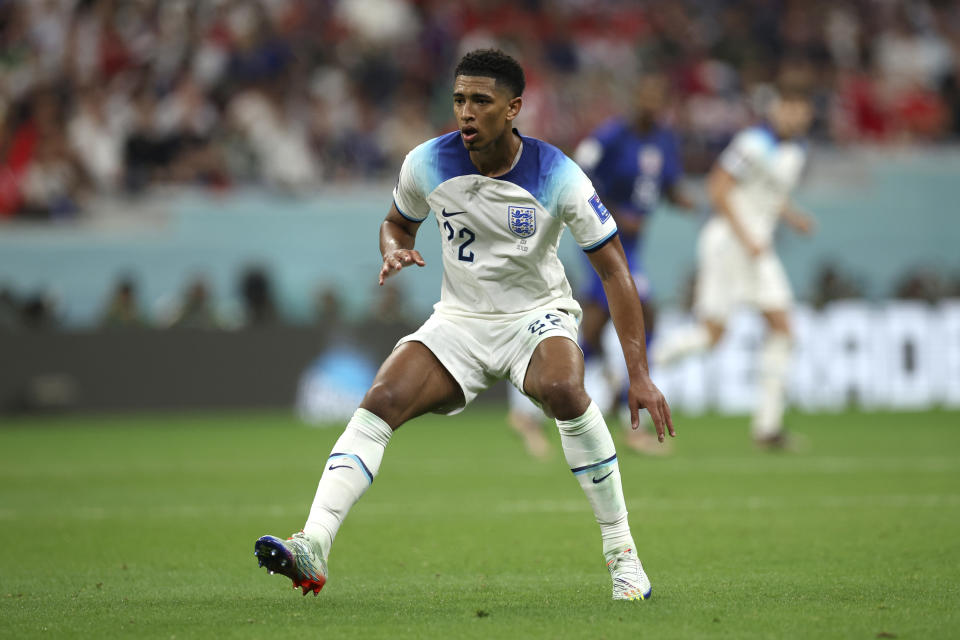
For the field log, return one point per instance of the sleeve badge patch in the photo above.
(598, 208)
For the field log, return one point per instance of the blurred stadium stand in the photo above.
(220, 165)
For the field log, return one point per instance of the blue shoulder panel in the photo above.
(440, 159)
(543, 171)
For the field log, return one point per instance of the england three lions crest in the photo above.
(522, 221)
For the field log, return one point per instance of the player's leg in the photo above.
(774, 367)
(774, 298)
(702, 335)
(527, 420)
(411, 382)
(717, 288)
(555, 377)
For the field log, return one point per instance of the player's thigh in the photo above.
(778, 320)
(555, 378)
(721, 274)
(411, 382)
(773, 294)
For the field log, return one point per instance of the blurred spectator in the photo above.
(123, 309)
(257, 294)
(50, 187)
(97, 131)
(38, 313)
(831, 285)
(196, 310)
(293, 93)
(9, 311)
(328, 308)
(389, 315)
(922, 284)
(277, 137)
(147, 153)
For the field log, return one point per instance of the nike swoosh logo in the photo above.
(447, 214)
(346, 466)
(599, 480)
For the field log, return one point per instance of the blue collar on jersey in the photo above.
(530, 173)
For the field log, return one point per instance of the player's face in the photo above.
(484, 111)
(791, 117)
(651, 96)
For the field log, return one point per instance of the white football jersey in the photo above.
(500, 235)
(767, 171)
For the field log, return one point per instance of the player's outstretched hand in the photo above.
(398, 259)
(803, 223)
(644, 394)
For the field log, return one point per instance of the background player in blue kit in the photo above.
(633, 163)
(506, 311)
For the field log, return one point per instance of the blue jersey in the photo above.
(630, 171)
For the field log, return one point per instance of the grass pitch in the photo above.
(144, 526)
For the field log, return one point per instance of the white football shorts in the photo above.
(478, 352)
(727, 276)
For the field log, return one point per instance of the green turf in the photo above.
(144, 526)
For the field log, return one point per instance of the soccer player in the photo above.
(749, 188)
(633, 162)
(501, 201)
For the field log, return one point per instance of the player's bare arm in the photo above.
(397, 237)
(797, 219)
(627, 313)
(720, 183)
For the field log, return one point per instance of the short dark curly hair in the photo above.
(493, 63)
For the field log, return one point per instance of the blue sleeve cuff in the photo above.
(597, 245)
(410, 218)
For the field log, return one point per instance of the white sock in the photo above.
(350, 469)
(679, 344)
(590, 453)
(774, 364)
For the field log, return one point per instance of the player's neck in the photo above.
(497, 159)
(644, 125)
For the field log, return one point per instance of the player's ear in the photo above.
(513, 107)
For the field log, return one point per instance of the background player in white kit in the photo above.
(506, 310)
(749, 188)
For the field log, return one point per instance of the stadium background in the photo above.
(189, 201)
(220, 167)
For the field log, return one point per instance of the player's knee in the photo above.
(564, 399)
(715, 331)
(382, 401)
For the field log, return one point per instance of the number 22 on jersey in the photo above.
(465, 235)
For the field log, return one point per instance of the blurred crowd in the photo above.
(253, 303)
(110, 96)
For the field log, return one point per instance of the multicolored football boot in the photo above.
(629, 580)
(298, 557)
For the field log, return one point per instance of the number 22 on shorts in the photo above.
(541, 325)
